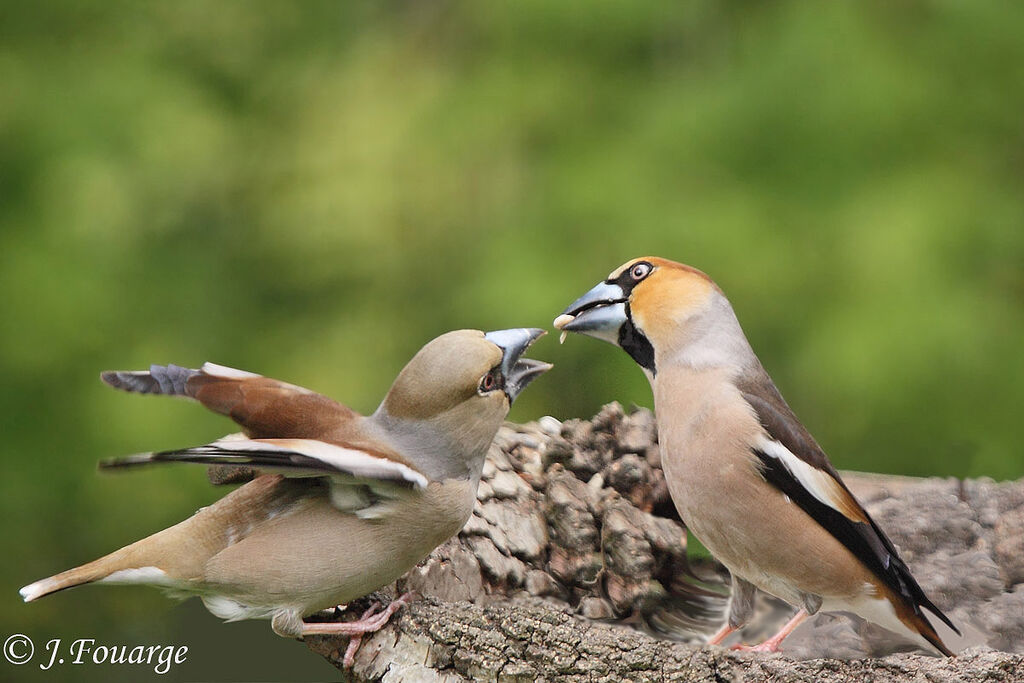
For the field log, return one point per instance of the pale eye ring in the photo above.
(640, 271)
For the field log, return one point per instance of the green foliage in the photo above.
(313, 190)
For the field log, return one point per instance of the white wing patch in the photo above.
(818, 483)
(355, 463)
(226, 372)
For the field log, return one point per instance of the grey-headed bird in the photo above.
(344, 503)
(747, 478)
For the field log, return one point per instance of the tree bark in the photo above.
(574, 567)
(524, 640)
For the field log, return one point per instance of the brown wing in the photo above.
(264, 407)
(779, 420)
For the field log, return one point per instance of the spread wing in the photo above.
(359, 480)
(264, 407)
(793, 462)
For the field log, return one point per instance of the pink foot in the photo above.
(766, 646)
(772, 644)
(367, 623)
(356, 640)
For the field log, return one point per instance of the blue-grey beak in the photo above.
(518, 371)
(599, 313)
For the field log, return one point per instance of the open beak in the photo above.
(518, 371)
(599, 313)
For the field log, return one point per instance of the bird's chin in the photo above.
(601, 322)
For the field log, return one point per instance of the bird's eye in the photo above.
(490, 381)
(640, 271)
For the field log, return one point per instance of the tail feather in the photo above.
(921, 624)
(174, 558)
(169, 380)
(913, 617)
(928, 632)
(87, 573)
(927, 604)
(43, 587)
(138, 562)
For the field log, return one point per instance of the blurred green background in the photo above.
(313, 190)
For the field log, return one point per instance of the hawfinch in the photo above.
(344, 503)
(746, 477)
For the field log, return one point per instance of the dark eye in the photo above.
(490, 381)
(640, 271)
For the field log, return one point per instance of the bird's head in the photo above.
(450, 399)
(650, 307)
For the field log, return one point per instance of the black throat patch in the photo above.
(636, 344)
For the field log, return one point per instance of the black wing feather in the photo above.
(216, 455)
(866, 541)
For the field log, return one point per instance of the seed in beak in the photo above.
(563, 320)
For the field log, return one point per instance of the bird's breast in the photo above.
(705, 432)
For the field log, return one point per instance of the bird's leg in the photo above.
(367, 623)
(772, 644)
(721, 634)
(741, 606)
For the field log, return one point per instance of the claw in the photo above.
(369, 622)
(766, 646)
(356, 640)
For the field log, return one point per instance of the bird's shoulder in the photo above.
(779, 421)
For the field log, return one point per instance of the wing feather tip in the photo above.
(126, 461)
(225, 372)
(292, 454)
(138, 381)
